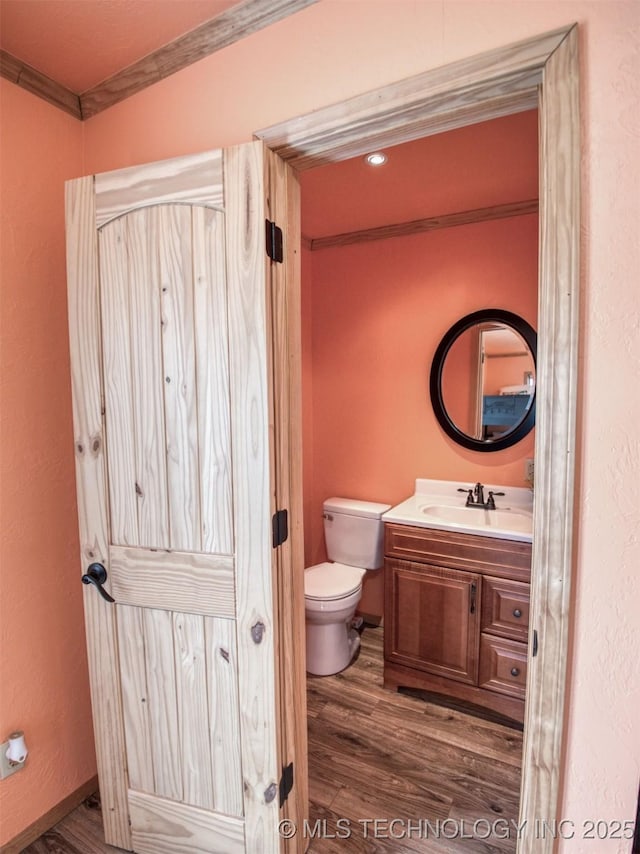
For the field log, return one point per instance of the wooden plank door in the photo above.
(175, 392)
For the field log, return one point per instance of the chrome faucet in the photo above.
(475, 497)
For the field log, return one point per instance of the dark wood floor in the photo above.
(376, 754)
(436, 779)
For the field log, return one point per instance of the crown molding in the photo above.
(39, 84)
(230, 26)
(226, 28)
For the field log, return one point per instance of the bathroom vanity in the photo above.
(457, 598)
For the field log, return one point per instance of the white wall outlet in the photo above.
(6, 768)
(529, 471)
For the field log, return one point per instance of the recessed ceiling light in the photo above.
(378, 158)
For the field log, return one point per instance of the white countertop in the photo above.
(438, 504)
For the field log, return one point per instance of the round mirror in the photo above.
(483, 380)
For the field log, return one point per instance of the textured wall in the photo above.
(333, 50)
(43, 671)
(379, 310)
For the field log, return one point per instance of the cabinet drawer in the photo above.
(503, 666)
(505, 608)
(499, 558)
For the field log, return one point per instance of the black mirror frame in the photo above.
(489, 315)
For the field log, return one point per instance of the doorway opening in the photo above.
(392, 257)
(542, 71)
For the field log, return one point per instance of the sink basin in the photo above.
(456, 515)
(517, 520)
(476, 518)
(436, 505)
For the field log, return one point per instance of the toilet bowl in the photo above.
(353, 535)
(332, 593)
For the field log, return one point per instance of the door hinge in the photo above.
(274, 241)
(280, 526)
(286, 783)
(534, 650)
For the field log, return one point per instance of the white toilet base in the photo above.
(330, 647)
(354, 642)
(354, 538)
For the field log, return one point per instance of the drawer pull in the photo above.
(515, 671)
(517, 613)
(472, 605)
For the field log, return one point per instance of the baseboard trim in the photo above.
(374, 620)
(51, 817)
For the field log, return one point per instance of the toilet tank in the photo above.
(353, 531)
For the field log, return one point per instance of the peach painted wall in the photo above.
(379, 310)
(308, 61)
(43, 671)
(304, 63)
(307, 394)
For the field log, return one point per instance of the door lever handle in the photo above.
(96, 574)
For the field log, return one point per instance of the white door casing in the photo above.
(543, 72)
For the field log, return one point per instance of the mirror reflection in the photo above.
(488, 381)
(483, 380)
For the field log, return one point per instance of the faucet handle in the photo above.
(469, 500)
(491, 504)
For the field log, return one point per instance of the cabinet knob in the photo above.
(517, 612)
(515, 671)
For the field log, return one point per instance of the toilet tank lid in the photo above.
(353, 507)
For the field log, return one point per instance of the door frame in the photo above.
(540, 72)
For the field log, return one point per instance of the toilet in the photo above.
(353, 532)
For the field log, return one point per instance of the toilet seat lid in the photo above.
(331, 580)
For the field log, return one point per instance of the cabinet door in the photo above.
(432, 619)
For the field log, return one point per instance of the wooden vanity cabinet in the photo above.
(446, 600)
(456, 616)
